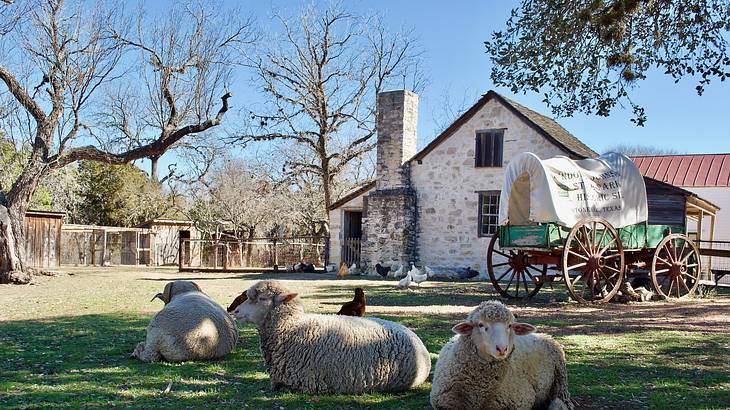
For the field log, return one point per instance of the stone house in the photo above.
(439, 206)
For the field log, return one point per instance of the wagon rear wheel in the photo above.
(512, 275)
(593, 261)
(675, 268)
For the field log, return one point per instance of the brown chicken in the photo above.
(237, 301)
(343, 271)
(356, 307)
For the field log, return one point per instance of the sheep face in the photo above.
(261, 299)
(492, 329)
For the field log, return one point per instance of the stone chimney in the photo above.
(390, 218)
(396, 126)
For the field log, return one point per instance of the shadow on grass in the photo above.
(81, 361)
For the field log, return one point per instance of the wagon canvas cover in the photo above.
(563, 191)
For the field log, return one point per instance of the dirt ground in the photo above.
(325, 293)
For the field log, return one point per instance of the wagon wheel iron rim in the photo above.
(593, 261)
(513, 277)
(675, 267)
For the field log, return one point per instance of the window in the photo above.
(488, 151)
(488, 213)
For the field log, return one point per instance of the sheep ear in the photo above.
(285, 297)
(238, 301)
(463, 328)
(522, 329)
(158, 296)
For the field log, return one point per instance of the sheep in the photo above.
(331, 354)
(494, 363)
(191, 326)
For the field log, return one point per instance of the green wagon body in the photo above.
(549, 236)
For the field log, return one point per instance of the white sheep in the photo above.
(495, 363)
(191, 326)
(330, 354)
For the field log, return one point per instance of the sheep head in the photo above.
(262, 298)
(175, 288)
(492, 328)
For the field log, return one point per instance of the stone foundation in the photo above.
(390, 227)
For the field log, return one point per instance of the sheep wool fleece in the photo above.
(191, 327)
(328, 354)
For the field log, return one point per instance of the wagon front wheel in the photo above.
(675, 267)
(593, 261)
(511, 272)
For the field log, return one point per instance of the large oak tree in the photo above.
(586, 55)
(54, 59)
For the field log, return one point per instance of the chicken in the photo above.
(356, 307)
(405, 282)
(468, 273)
(382, 270)
(343, 271)
(429, 272)
(353, 269)
(308, 268)
(417, 277)
(398, 272)
(237, 301)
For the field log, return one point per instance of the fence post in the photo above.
(180, 255)
(276, 257)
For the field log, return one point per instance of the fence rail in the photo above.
(251, 254)
(351, 251)
(715, 261)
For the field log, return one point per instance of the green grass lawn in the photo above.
(64, 343)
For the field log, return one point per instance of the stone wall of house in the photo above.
(447, 186)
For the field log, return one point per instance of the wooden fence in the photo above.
(351, 248)
(252, 254)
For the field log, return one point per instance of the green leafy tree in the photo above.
(118, 195)
(587, 55)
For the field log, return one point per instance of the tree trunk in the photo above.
(13, 263)
(153, 170)
(326, 181)
(13, 267)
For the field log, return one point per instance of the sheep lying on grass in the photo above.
(495, 363)
(191, 326)
(327, 354)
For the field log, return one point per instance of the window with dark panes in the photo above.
(488, 213)
(489, 148)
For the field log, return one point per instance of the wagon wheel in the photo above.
(516, 270)
(593, 261)
(675, 268)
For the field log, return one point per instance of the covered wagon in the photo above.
(588, 221)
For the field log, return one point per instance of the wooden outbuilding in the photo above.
(43, 238)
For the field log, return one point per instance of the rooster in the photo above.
(356, 307)
(382, 270)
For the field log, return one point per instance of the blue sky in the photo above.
(452, 34)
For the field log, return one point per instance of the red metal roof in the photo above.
(694, 170)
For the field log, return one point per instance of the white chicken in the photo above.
(353, 269)
(405, 282)
(398, 272)
(429, 271)
(417, 276)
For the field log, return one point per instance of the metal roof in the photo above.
(692, 170)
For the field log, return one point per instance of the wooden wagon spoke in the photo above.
(664, 261)
(593, 235)
(691, 265)
(684, 284)
(678, 295)
(502, 253)
(690, 253)
(662, 270)
(611, 256)
(603, 236)
(585, 235)
(577, 266)
(533, 268)
(671, 285)
(605, 248)
(612, 268)
(501, 264)
(578, 255)
(524, 281)
(510, 282)
(669, 252)
(504, 274)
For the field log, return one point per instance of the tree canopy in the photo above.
(585, 56)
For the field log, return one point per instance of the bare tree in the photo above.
(69, 51)
(187, 66)
(320, 78)
(639, 149)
